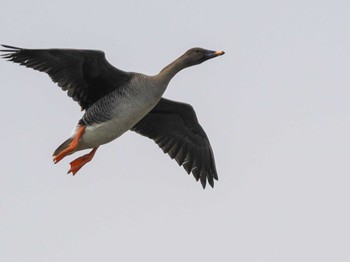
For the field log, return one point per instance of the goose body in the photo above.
(123, 111)
(116, 101)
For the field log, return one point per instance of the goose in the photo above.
(116, 101)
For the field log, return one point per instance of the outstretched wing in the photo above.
(86, 75)
(175, 128)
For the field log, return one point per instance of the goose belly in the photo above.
(123, 117)
(116, 113)
(102, 133)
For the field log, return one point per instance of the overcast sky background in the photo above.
(275, 107)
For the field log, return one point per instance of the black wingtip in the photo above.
(11, 47)
(206, 177)
(211, 180)
(9, 51)
(203, 180)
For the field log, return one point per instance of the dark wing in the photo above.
(85, 74)
(175, 128)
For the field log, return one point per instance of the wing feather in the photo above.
(175, 128)
(86, 75)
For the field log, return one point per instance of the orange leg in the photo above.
(71, 147)
(81, 161)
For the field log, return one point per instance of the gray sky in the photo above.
(275, 107)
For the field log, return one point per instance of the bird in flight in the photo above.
(116, 101)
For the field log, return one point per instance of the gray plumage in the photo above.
(116, 101)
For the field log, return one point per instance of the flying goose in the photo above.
(116, 101)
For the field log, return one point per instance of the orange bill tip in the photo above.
(219, 52)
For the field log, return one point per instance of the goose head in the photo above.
(197, 55)
(193, 56)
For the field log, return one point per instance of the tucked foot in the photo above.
(72, 146)
(78, 163)
(59, 157)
